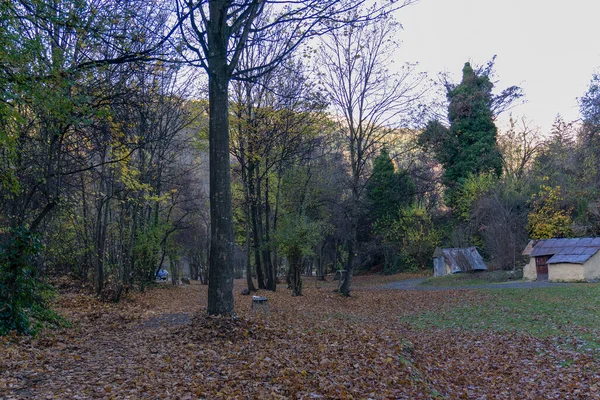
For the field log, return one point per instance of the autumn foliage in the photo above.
(548, 219)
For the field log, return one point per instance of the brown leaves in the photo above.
(161, 344)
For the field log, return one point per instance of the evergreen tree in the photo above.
(468, 147)
(388, 191)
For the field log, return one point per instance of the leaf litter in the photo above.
(161, 344)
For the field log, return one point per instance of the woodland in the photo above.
(264, 146)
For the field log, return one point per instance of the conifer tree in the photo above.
(388, 191)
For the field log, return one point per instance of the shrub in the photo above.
(24, 300)
(411, 239)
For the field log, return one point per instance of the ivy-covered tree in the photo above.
(468, 146)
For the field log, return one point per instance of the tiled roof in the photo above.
(574, 251)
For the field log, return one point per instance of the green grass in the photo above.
(473, 278)
(572, 311)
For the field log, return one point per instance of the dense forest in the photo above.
(259, 140)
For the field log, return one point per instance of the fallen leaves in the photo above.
(160, 344)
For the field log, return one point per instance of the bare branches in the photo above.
(519, 146)
(371, 100)
(289, 24)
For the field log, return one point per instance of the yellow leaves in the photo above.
(548, 219)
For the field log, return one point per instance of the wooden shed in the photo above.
(452, 261)
(563, 260)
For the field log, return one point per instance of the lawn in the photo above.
(571, 311)
(528, 343)
(473, 278)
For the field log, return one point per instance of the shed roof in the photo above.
(529, 248)
(462, 259)
(572, 251)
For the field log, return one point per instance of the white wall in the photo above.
(591, 270)
(529, 271)
(565, 273)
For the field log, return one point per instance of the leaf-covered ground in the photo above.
(376, 344)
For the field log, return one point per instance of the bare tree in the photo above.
(519, 146)
(216, 33)
(371, 102)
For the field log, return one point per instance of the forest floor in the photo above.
(475, 344)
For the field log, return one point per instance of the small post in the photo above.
(260, 303)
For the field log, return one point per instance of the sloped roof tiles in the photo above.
(571, 251)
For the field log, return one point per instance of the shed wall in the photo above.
(564, 272)
(529, 270)
(591, 269)
(439, 266)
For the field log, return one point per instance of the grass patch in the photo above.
(473, 278)
(572, 311)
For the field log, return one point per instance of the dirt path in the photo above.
(414, 284)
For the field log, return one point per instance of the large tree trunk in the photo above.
(220, 274)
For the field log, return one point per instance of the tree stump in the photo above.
(341, 277)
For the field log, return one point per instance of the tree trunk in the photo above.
(101, 246)
(320, 269)
(247, 211)
(266, 252)
(353, 239)
(257, 228)
(220, 274)
(296, 277)
(275, 216)
(347, 278)
(249, 281)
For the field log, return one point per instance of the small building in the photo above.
(452, 261)
(563, 260)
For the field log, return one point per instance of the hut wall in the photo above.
(529, 271)
(591, 269)
(439, 266)
(564, 272)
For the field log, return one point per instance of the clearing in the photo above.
(492, 344)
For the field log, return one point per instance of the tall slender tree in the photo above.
(371, 101)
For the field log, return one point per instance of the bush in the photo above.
(24, 300)
(410, 240)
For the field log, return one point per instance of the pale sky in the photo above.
(548, 47)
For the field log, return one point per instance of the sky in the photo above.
(550, 48)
